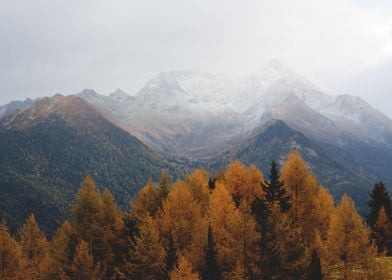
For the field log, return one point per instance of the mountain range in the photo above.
(195, 114)
(183, 119)
(48, 148)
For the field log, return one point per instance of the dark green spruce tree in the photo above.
(171, 256)
(378, 197)
(211, 270)
(275, 191)
(275, 194)
(315, 268)
(211, 183)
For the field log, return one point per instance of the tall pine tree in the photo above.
(171, 255)
(274, 194)
(211, 269)
(315, 269)
(275, 190)
(379, 197)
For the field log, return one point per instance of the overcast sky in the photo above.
(50, 46)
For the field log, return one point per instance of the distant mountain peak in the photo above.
(72, 109)
(119, 94)
(274, 70)
(88, 93)
(163, 86)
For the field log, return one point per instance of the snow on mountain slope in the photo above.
(182, 104)
(299, 116)
(162, 93)
(187, 91)
(119, 95)
(354, 115)
(205, 87)
(272, 82)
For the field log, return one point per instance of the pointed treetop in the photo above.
(275, 191)
(164, 184)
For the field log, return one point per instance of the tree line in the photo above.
(236, 225)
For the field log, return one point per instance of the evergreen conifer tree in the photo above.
(315, 269)
(211, 183)
(275, 190)
(274, 194)
(379, 197)
(171, 255)
(211, 268)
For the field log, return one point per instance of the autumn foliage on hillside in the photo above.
(237, 225)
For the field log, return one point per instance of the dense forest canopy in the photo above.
(237, 224)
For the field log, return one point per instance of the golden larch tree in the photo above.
(184, 271)
(324, 206)
(83, 267)
(348, 246)
(87, 213)
(225, 219)
(242, 182)
(303, 188)
(146, 203)
(148, 261)
(197, 182)
(11, 260)
(111, 228)
(61, 247)
(182, 218)
(248, 240)
(35, 248)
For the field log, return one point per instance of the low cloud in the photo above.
(65, 46)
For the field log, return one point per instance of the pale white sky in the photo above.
(50, 46)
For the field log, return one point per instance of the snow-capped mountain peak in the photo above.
(274, 70)
(273, 90)
(88, 93)
(119, 95)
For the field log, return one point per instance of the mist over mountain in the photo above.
(198, 118)
(187, 104)
(212, 119)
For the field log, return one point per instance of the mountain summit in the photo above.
(177, 112)
(197, 117)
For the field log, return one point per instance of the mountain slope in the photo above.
(353, 115)
(274, 140)
(13, 106)
(47, 149)
(178, 112)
